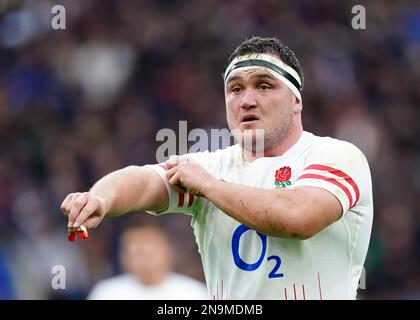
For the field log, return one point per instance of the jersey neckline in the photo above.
(304, 137)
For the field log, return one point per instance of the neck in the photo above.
(289, 141)
(151, 280)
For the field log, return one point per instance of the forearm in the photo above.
(272, 212)
(126, 190)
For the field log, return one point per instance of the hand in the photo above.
(84, 209)
(185, 175)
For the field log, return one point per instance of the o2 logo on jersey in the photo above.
(241, 264)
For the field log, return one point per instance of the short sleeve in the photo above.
(180, 202)
(177, 202)
(340, 168)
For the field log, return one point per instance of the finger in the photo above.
(177, 160)
(64, 206)
(172, 161)
(179, 171)
(89, 209)
(173, 179)
(170, 165)
(92, 222)
(170, 173)
(176, 184)
(76, 205)
(179, 189)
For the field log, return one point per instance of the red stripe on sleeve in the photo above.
(333, 181)
(190, 199)
(181, 199)
(338, 173)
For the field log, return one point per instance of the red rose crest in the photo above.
(282, 177)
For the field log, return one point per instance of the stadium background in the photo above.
(79, 103)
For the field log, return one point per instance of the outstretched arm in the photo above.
(133, 188)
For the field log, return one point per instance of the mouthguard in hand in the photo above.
(81, 231)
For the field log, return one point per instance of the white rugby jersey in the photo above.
(240, 263)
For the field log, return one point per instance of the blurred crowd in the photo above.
(76, 104)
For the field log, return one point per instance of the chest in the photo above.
(264, 173)
(214, 226)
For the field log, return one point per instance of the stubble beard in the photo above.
(261, 141)
(274, 138)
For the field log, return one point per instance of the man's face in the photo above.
(146, 254)
(255, 99)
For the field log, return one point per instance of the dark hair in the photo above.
(267, 45)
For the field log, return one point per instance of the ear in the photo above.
(297, 105)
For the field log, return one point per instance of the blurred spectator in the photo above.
(147, 259)
(38, 238)
(102, 69)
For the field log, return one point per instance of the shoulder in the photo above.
(339, 158)
(339, 167)
(336, 149)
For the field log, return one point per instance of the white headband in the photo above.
(274, 66)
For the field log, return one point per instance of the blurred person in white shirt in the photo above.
(147, 258)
